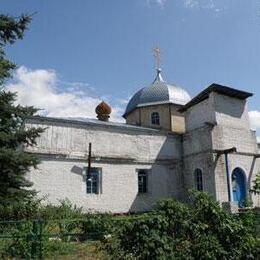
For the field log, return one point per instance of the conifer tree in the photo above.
(14, 137)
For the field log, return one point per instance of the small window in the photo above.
(155, 118)
(142, 181)
(93, 181)
(198, 179)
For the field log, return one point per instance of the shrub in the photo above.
(64, 210)
(199, 229)
(22, 210)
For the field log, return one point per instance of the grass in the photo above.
(75, 250)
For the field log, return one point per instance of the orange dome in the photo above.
(103, 109)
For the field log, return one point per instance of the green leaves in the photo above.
(12, 28)
(256, 185)
(15, 163)
(199, 229)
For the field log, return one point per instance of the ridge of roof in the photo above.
(98, 123)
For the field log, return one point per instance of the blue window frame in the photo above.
(155, 118)
(93, 181)
(198, 179)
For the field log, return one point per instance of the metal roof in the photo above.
(231, 92)
(94, 122)
(159, 92)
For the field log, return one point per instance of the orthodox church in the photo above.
(170, 143)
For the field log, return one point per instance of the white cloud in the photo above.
(255, 119)
(43, 89)
(190, 3)
(207, 4)
(212, 5)
(160, 3)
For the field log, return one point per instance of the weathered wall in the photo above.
(197, 152)
(197, 115)
(247, 163)
(170, 118)
(134, 117)
(233, 130)
(60, 179)
(71, 139)
(230, 128)
(164, 112)
(230, 111)
(119, 152)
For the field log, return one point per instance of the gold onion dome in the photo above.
(103, 110)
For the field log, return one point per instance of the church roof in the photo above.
(159, 92)
(231, 92)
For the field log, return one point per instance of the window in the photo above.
(198, 179)
(93, 181)
(142, 181)
(155, 118)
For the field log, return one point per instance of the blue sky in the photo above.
(84, 51)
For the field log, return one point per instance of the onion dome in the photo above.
(159, 92)
(103, 111)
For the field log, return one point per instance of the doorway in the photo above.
(239, 186)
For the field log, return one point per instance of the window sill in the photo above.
(144, 194)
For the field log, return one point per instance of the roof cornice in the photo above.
(223, 90)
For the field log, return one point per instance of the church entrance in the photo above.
(239, 186)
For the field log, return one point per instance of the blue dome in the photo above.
(159, 92)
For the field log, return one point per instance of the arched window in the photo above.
(198, 179)
(155, 118)
(239, 186)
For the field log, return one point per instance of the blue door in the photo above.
(239, 186)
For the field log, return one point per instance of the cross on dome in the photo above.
(157, 56)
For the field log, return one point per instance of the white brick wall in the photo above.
(60, 179)
(196, 116)
(232, 130)
(119, 152)
(231, 112)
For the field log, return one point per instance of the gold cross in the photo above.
(157, 56)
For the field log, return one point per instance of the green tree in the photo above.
(14, 137)
(256, 185)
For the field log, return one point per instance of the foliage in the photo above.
(61, 227)
(14, 138)
(24, 210)
(52, 249)
(14, 245)
(199, 229)
(64, 210)
(11, 29)
(256, 185)
(68, 218)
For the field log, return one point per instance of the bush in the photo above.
(59, 223)
(199, 229)
(68, 218)
(64, 210)
(23, 210)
